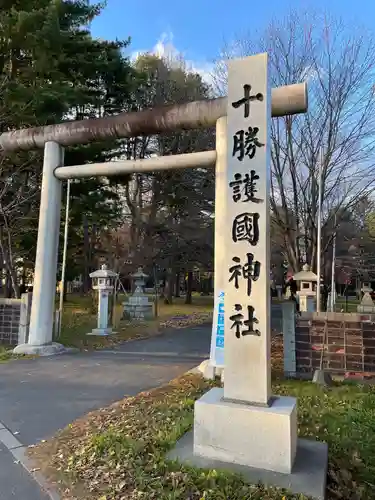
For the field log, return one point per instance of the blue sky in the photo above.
(198, 28)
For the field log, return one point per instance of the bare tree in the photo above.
(19, 197)
(115, 245)
(156, 202)
(338, 130)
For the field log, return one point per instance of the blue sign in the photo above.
(219, 340)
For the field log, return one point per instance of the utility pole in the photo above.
(319, 232)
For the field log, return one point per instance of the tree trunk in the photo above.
(177, 285)
(205, 286)
(189, 286)
(2, 276)
(11, 288)
(65, 291)
(8, 286)
(169, 282)
(86, 249)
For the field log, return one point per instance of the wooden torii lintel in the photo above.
(288, 100)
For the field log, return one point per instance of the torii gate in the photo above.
(242, 424)
(288, 100)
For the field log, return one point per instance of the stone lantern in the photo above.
(103, 280)
(307, 290)
(138, 306)
(367, 304)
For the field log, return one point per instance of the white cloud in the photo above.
(166, 49)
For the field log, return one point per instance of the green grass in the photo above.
(351, 305)
(119, 452)
(5, 354)
(79, 319)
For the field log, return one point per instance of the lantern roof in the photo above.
(139, 274)
(103, 272)
(306, 274)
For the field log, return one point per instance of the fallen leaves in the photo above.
(118, 453)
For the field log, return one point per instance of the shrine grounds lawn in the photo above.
(79, 319)
(118, 453)
(5, 354)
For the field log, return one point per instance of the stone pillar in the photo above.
(243, 423)
(246, 236)
(23, 332)
(103, 309)
(44, 286)
(243, 427)
(103, 282)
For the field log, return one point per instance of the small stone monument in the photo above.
(307, 291)
(138, 305)
(103, 282)
(367, 304)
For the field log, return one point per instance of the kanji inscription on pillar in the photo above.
(247, 252)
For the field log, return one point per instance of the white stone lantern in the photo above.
(103, 280)
(307, 291)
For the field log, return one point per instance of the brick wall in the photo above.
(10, 312)
(347, 340)
(14, 320)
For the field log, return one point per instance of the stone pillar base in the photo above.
(40, 350)
(209, 371)
(254, 436)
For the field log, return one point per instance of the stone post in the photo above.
(23, 332)
(289, 337)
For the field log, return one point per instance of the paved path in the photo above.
(40, 396)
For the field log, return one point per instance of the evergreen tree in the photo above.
(53, 69)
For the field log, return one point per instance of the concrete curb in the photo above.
(19, 452)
